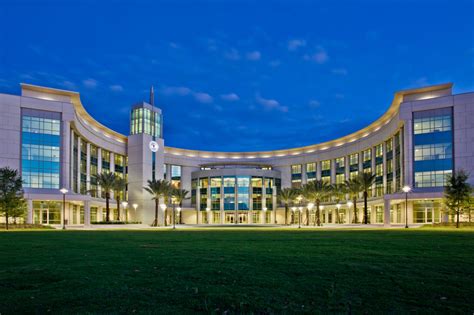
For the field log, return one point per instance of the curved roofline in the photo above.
(362, 133)
(79, 108)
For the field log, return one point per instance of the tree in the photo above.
(366, 181)
(178, 196)
(353, 188)
(106, 181)
(337, 193)
(457, 193)
(319, 189)
(286, 196)
(158, 189)
(18, 209)
(120, 185)
(11, 192)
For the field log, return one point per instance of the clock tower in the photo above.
(145, 159)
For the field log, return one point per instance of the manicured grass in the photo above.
(237, 271)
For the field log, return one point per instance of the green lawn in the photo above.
(237, 271)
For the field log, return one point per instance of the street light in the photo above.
(179, 214)
(64, 191)
(125, 205)
(349, 205)
(406, 189)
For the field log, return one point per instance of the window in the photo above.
(216, 183)
(229, 193)
(243, 183)
(354, 159)
(435, 151)
(143, 120)
(311, 171)
(296, 175)
(176, 176)
(432, 124)
(431, 179)
(257, 192)
(40, 149)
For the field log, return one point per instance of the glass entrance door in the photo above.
(229, 218)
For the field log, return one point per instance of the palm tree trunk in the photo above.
(457, 219)
(107, 207)
(118, 209)
(354, 201)
(365, 207)
(307, 216)
(286, 214)
(318, 213)
(157, 201)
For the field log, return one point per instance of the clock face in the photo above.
(153, 146)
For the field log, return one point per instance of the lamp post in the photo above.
(338, 206)
(349, 205)
(207, 214)
(406, 189)
(179, 214)
(135, 206)
(64, 191)
(299, 217)
(163, 207)
(125, 207)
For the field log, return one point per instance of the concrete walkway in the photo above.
(230, 226)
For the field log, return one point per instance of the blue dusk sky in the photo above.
(238, 75)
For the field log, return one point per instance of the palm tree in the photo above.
(158, 189)
(286, 196)
(457, 193)
(366, 181)
(353, 188)
(337, 193)
(306, 194)
(120, 185)
(178, 196)
(106, 181)
(318, 190)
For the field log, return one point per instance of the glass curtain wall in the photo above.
(40, 149)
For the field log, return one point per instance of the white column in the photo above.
(87, 213)
(99, 171)
(318, 170)
(78, 157)
(66, 155)
(333, 171)
(386, 212)
(29, 217)
(72, 157)
(88, 168)
(384, 168)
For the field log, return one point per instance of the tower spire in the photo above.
(152, 96)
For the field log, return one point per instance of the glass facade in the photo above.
(243, 189)
(47, 212)
(40, 149)
(311, 171)
(296, 175)
(176, 176)
(432, 147)
(143, 120)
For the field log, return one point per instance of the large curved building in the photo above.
(47, 134)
